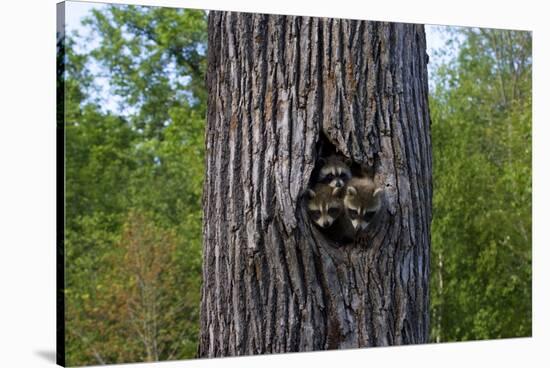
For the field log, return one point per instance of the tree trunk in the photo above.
(277, 86)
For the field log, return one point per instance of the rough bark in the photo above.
(271, 281)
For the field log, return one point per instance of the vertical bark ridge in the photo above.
(271, 281)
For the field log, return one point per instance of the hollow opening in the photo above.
(341, 200)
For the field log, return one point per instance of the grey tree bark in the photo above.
(271, 281)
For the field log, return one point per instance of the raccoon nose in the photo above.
(338, 183)
(326, 223)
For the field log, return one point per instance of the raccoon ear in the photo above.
(322, 161)
(348, 161)
(351, 191)
(378, 194)
(310, 193)
(336, 191)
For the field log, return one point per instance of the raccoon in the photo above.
(326, 209)
(333, 172)
(324, 204)
(362, 200)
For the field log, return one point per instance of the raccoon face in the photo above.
(334, 172)
(324, 205)
(361, 206)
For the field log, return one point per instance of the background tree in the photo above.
(481, 112)
(138, 162)
(276, 86)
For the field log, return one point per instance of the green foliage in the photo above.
(134, 185)
(481, 230)
(156, 60)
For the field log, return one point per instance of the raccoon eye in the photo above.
(369, 215)
(352, 214)
(333, 212)
(315, 214)
(330, 177)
